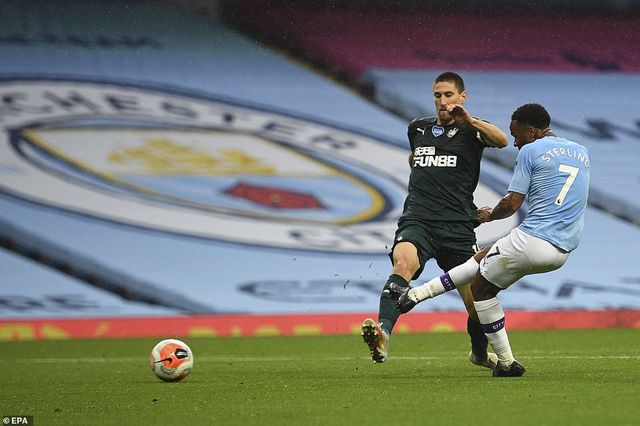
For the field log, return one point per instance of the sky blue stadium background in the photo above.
(173, 51)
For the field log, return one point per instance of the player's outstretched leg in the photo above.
(458, 277)
(376, 339)
(407, 297)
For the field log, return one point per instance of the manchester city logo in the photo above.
(200, 167)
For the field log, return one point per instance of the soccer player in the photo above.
(552, 174)
(439, 215)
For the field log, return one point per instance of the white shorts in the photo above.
(519, 254)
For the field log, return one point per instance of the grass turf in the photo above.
(573, 378)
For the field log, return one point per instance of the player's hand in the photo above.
(484, 214)
(459, 113)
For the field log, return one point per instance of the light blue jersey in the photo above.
(553, 173)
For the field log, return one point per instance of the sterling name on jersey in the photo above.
(554, 174)
(444, 171)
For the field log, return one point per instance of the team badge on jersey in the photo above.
(451, 133)
(437, 131)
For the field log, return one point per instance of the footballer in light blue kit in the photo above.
(552, 175)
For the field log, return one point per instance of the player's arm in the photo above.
(490, 133)
(508, 205)
(411, 160)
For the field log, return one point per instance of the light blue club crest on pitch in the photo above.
(233, 173)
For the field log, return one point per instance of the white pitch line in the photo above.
(289, 359)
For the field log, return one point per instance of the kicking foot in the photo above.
(490, 362)
(376, 339)
(405, 299)
(514, 370)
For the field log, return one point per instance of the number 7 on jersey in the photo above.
(573, 172)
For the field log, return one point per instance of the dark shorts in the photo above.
(449, 243)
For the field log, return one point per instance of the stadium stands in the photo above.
(589, 83)
(355, 40)
(596, 110)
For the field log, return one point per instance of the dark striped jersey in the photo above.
(444, 171)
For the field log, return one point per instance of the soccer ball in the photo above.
(171, 360)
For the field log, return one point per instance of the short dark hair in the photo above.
(452, 77)
(532, 114)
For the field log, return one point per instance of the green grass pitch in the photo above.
(573, 378)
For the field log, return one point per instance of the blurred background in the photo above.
(237, 168)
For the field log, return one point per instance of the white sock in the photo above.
(457, 277)
(491, 317)
(462, 275)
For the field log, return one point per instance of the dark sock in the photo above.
(479, 342)
(388, 313)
